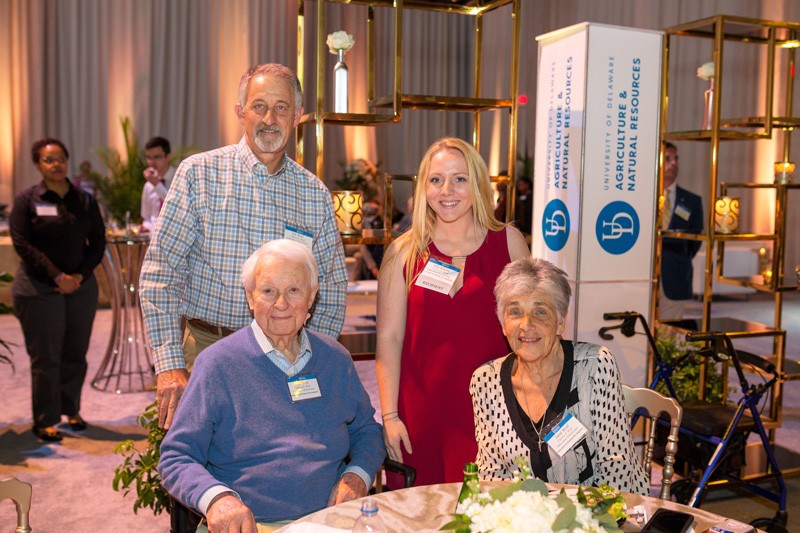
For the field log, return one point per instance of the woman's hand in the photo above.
(395, 433)
(66, 283)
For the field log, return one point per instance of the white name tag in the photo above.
(682, 212)
(565, 435)
(298, 235)
(303, 387)
(46, 210)
(438, 276)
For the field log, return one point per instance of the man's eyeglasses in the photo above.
(50, 160)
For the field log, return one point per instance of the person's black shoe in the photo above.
(77, 423)
(49, 434)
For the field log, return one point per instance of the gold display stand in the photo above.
(387, 109)
(775, 38)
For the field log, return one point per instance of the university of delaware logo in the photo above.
(617, 227)
(555, 225)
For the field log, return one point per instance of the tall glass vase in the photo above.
(708, 105)
(340, 81)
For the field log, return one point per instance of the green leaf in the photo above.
(566, 517)
(502, 493)
(534, 485)
(459, 521)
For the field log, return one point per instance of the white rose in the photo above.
(340, 40)
(706, 71)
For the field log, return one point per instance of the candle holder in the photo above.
(783, 172)
(726, 214)
(347, 207)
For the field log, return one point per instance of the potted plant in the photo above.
(139, 467)
(121, 190)
(686, 377)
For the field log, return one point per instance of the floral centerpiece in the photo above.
(360, 175)
(527, 505)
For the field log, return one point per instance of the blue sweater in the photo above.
(237, 426)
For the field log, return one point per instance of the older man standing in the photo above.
(272, 412)
(222, 206)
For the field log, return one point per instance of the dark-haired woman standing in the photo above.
(59, 235)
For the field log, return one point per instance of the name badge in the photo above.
(682, 212)
(46, 210)
(303, 387)
(566, 434)
(298, 235)
(438, 276)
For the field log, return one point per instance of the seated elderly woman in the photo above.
(271, 412)
(550, 384)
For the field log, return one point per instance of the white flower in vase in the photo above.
(706, 71)
(339, 40)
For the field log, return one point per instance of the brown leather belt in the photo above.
(210, 328)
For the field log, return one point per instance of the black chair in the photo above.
(185, 520)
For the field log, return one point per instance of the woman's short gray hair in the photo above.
(529, 274)
(283, 248)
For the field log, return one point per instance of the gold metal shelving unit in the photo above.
(778, 37)
(387, 109)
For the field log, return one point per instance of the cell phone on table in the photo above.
(668, 521)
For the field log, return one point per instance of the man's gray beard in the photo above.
(269, 146)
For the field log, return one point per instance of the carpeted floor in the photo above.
(72, 481)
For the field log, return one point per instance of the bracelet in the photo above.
(383, 416)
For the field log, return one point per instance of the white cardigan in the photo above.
(595, 398)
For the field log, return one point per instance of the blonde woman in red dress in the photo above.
(436, 322)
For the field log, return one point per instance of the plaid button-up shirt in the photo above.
(222, 205)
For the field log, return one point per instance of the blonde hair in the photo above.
(423, 222)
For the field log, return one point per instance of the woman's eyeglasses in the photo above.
(50, 160)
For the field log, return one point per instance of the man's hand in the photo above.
(350, 487)
(151, 175)
(395, 433)
(230, 515)
(170, 385)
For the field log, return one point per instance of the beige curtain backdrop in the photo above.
(73, 68)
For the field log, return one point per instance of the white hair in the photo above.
(283, 248)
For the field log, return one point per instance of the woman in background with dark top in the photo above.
(59, 236)
(431, 339)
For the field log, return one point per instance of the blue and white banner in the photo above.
(597, 117)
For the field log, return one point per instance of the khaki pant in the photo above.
(195, 341)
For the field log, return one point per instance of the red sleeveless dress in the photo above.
(446, 339)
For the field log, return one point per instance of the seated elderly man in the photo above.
(272, 412)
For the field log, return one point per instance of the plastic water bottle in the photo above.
(369, 519)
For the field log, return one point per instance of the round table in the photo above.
(428, 508)
(128, 364)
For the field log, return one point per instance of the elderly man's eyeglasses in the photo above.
(50, 160)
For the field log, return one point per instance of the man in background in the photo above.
(158, 177)
(681, 211)
(222, 206)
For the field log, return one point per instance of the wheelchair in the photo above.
(713, 436)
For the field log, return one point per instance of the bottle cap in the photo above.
(369, 506)
(470, 468)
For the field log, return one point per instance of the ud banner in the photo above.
(598, 104)
(596, 157)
